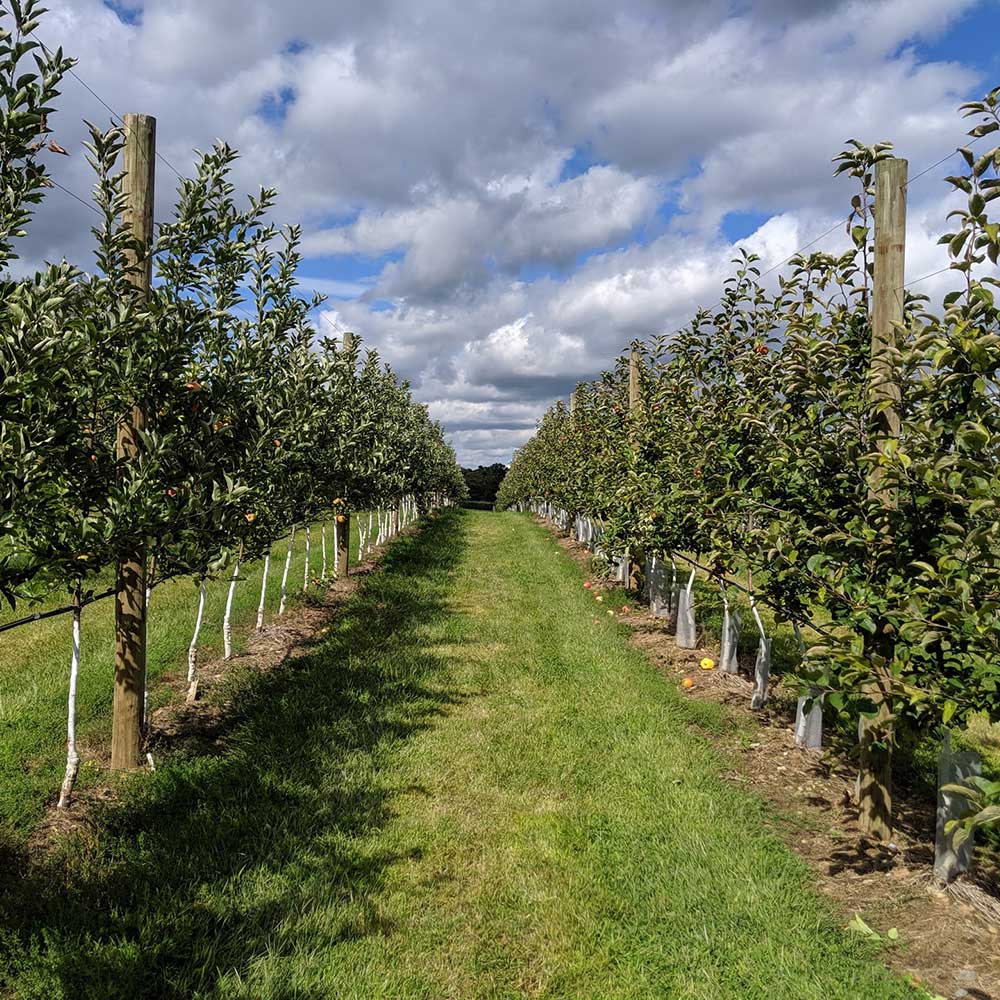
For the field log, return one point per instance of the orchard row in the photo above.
(838, 438)
(171, 410)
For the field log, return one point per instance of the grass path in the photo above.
(466, 790)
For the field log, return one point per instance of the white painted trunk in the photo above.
(151, 572)
(193, 648)
(72, 757)
(322, 539)
(336, 550)
(368, 533)
(305, 575)
(227, 620)
(284, 576)
(263, 592)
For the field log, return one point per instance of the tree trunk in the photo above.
(72, 756)
(227, 620)
(193, 648)
(263, 592)
(284, 576)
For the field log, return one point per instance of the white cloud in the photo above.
(441, 134)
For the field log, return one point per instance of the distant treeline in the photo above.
(484, 482)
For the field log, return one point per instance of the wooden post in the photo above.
(572, 515)
(344, 527)
(130, 587)
(633, 382)
(635, 569)
(874, 733)
(887, 293)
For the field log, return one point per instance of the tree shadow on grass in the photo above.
(269, 847)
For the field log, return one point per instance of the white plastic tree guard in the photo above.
(687, 633)
(762, 668)
(953, 769)
(659, 588)
(731, 622)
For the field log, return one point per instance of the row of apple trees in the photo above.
(755, 445)
(252, 423)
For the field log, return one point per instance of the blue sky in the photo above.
(499, 197)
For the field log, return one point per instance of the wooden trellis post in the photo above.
(572, 515)
(344, 527)
(633, 382)
(875, 774)
(130, 593)
(635, 569)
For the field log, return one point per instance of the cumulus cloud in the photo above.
(499, 196)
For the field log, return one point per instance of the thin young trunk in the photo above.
(72, 756)
(336, 551)
(305, 575)
(368, 534)
(263, 592)
(284, 576)
(193, 648)
(227, 620)
(322, 539)
(150, 574)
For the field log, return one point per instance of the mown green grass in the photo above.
(34, 672)
(466, 789)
